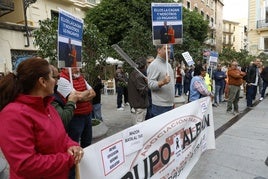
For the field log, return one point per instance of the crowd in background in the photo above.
(54, 98)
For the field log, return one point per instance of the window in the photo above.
(266, 44)
(188, 5)
(196, 9)
(212, 4)
(212, 21)
(202, 13)
(263, 45)
(54, 14)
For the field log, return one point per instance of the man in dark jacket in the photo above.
(98, 85)
(138, 92)
(219, 78)
(264, 76)
(252, 82)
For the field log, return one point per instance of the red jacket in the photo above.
(79, 84)
(34, 140)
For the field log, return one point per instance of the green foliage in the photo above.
(94, 46)
(95, 122)
(129, 24)
(264, 58)
(242, 57)
(195, 30)
(45, 38)
(95, 50)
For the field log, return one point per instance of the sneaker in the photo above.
(122, 105)
(127, 104)
(120, 109)
(237, 112)
(229, 112)
(214, 105)
(261, 99)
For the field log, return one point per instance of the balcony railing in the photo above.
(262, 24)
(211, 42)
(6, 6)
(93, 1)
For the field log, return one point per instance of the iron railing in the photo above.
(262, 24)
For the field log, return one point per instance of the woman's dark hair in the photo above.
(23, 80)
(198, 69)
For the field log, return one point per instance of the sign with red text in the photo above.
(166, 146)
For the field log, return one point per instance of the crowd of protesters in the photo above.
(45, 114)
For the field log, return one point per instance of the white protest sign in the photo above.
(112, 157)
(133, 139)
(187, 57)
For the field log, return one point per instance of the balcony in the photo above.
(93, 1)
(85, 4)
(210, 42)
(262, 24)
(6, 6)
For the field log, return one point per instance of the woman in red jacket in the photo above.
(32, 135)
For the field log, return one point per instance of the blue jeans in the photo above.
(218, 93)
(96, 113)
(178, 86)
(264, 86)
(250, 94)
(120, 92)
(157, 110)
(80, 129)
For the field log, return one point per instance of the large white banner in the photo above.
(164, 147)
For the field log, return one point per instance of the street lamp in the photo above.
(26, 4)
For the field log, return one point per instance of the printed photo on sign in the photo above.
(167, 23)
(70, 31)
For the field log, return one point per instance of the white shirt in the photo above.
(65, 87)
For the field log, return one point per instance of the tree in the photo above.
(94, 48)
(45, 38)
(94, 51)
(129, 24)
(195, 30)
(242, 57)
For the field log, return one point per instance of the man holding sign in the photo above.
(161, 82)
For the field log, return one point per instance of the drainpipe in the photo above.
(25, 6)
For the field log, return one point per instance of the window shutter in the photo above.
(261, 43)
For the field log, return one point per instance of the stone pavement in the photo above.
(117, 121)
(241, 150)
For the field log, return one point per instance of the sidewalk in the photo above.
(117, 121)
(241, 150)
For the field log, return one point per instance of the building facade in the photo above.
(212, 11)
(258, 27)
(229, 34)
(19, 17)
